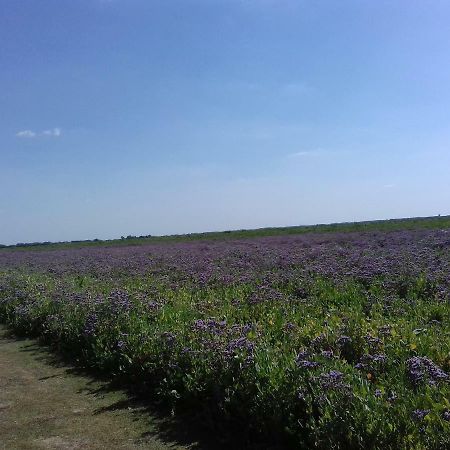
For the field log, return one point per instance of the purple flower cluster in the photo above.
(210, 325)
(385, 330)
(394, 256)
(372, 363)
(90, 324)
(392, 397)
(420, 414)
(240, 344)
(344, 340)
(119, 301)
(421, 369)
(168, 338)
(373, 342)
(333, 381)
(303, 361)
(241, 347)
(327, 354)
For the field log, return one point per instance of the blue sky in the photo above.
(169, 116)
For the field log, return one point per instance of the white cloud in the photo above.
(303, 153)
(53, 132)
(26, 134)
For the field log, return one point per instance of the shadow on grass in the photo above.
(193, 429)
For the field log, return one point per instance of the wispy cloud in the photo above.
(55, 132)
(298, 154)
(304, 153)
(26, 134)
(30, 134)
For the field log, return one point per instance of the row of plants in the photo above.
(303, 361)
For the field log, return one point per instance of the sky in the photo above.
(137, 117)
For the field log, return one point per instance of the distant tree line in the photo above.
(79, 241)
(387, 224)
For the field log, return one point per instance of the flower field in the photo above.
(318, 340)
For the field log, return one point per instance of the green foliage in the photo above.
(195, 347)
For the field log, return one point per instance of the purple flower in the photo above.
(168, 337)
(303, 354)
(379, 358)
(152, 305)
(419, 414)
(385, 330)
(327, 354)
(200, 325)
(332, 380)
(303, 361)
(301, 394)
(120, 301)
(392, 397)
(335, 375)
(344, 340)
(307, 364)
(90, 324)
(318, 341)
(423, 370)
(373, 342)
(290, 326)
(239, 346)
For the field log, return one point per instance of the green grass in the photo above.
(46, 404)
